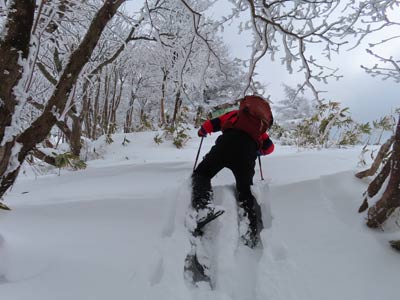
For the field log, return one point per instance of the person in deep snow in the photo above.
(243, 138)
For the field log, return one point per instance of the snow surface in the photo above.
(116, 230)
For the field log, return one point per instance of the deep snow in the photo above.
(116, 230)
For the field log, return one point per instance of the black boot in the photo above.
(202, 194)
(250, 221)
(202, 202)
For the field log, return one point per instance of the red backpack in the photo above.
(254, 117)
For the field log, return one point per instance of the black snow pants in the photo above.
(236, 151)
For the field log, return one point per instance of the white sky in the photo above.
(368, 98)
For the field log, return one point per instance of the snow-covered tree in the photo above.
(378, 16)
(330, 126)
(75, 72)
(303, 34)
(19, 46)
(293, 108)
(384, 124)
(193, 61)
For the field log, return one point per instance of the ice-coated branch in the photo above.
(131, 37)
(392, 71)
(196, 16)
(374, 16)
(292, 29)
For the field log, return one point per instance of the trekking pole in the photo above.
(198, 153)
(259, 162)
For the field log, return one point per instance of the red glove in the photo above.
(202, 132)
(267, 151)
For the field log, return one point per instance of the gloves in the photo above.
(261, 152)
(202, 132)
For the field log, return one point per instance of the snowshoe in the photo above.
(205, 216)
(251, 238)
(201, 217)
(197, 264)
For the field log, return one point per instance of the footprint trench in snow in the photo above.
(124, 240)
(289, 266)
(235, 267)
(238, 272)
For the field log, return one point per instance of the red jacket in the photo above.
(214, 125)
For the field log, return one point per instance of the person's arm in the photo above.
(215, 125)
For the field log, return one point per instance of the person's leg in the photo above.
(202, 196)
(201, 190)
(202, 175)
(248, 207)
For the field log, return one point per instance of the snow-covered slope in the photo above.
(116, 230)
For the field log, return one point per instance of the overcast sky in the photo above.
(368, 98)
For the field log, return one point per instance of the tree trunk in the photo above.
(96, 111)
(14, 46)
(375, 186)
(44, 157)
(390, 200)
(113, 107)
(76, 134)
(41, 127)
(177, 106)
(163, 92)
(86, 109)
(104, 116)
(378, 160)
(116, 104)
(129, 115)
(199, 117)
